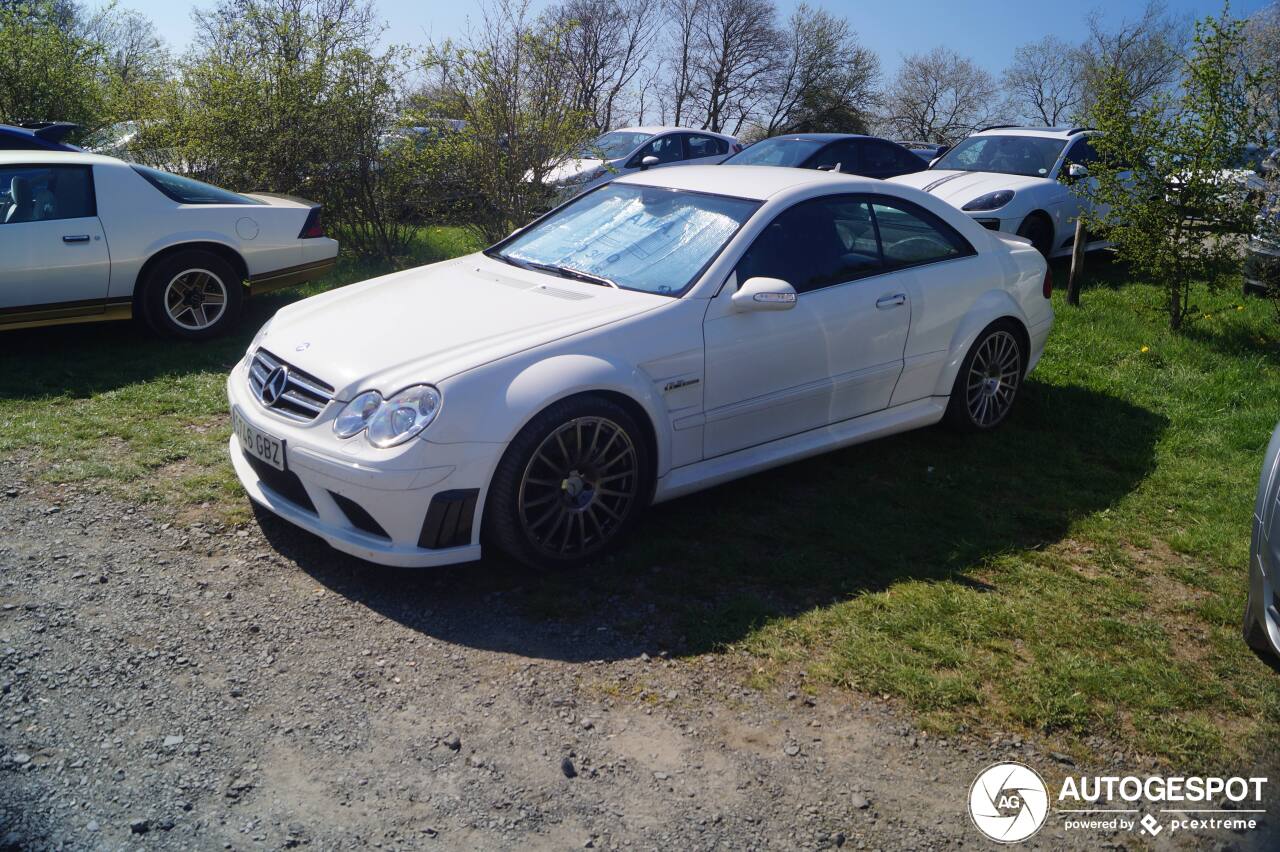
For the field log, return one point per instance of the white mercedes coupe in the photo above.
(87, 238)
(664, 333)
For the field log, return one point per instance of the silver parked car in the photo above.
(634, 149)
(1262, 612)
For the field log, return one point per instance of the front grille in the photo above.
(303, 397)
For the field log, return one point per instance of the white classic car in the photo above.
(85, 238)
(664, 333)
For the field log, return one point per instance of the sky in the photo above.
(893, 29)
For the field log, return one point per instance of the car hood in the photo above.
(433, 322)
(959, 188)
(571, 171)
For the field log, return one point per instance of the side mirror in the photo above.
(648, 161)
(1075, 171)
(764, 294)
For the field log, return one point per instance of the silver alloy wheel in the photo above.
(579, 487)
(195, 299)
(993, 378)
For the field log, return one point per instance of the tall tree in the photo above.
(825, 79)
(736, 49)
(1147, 52)
(682, 17)
(1044, 84)
(1158, 185)
(941, 97)
(606, 44)
(1262, 55)
(49, 70)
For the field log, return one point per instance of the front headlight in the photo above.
(355, 416)
(404, 415)
(392, 421)
(990, 201)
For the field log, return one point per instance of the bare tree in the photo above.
(737, 46)
(940, 96)
(1044, 84)
(132, 50)
(606, 44)
(1147, 52)
(1261, 52)
(825, 80)
(682, 17)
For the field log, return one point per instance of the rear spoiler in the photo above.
(50, 131)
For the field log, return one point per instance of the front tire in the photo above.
(1039, 230)
(192, 295)
(988, 381)
(570, 486)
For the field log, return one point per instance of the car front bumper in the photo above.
(416, 505)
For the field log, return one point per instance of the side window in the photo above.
(879, 158)
(844, 154)
(698, 146)
(911, 235)
(41, 193)
(665, 148)
(815, 244)
(1082, 152)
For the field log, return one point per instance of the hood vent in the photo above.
(571, 295)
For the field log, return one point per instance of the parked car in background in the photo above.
(113, 140)
(848, 153)
(1262, 253)
(1017, 180)
(661, 334)
(927, 151)
(634, 149)
(85, 238)
(1262, 607)
(37, 136)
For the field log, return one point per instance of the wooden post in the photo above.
(1077, 265)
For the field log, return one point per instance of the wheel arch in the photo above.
(222, 250)
(992, 307)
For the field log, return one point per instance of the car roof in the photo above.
(754, 182)
(820, 137)
(660, 128)
(1043, 132)
(52, 158)
(29, 134)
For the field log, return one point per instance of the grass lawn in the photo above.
(1079, 574)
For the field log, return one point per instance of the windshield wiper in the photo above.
(554, 269)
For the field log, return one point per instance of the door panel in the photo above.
(53, 254)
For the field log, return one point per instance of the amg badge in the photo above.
(679, 383)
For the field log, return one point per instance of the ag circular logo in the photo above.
(1008, 802)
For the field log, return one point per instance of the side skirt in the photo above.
(63, 314)
(711, 472)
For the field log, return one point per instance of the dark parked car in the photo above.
(868, 156)
(927, 151)
(41, 136)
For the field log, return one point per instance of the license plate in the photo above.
(258, 444)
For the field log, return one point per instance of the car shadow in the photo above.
(703, 571)
(87, 359)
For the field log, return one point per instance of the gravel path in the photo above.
(199, 687)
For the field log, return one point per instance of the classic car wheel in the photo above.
(988, 381)
(570, 485)
(192, 294)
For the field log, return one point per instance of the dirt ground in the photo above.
(168, 686)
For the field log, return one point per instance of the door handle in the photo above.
(76, 238)
(896, 300)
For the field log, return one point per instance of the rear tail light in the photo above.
(313, 227)
(1048, 282)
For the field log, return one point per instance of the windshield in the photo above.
(1033, 156)
(187, 191)
(638, 237)
(775, 152)
(618, 143)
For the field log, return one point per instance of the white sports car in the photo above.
(664, 333)
(1017, 180)
(85, 238)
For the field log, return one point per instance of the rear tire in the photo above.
(988, 381)
(570, 485)
(1039, 230)
(191, 295)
